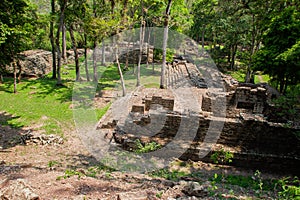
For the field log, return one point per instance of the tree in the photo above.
(165, 39)
(52, 40)
(16, 23)
(63, 5)
(142, 31)
(204, 13)
(280, 54)
(74, 21)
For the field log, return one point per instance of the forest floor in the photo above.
(56, 170)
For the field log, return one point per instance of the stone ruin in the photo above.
(38, 63)
(253, 141)
(33, 63)
(127, 51)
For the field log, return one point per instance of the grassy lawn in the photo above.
(39, 103)
(238, 75)
(261, 78)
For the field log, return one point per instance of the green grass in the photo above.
(110, 78)
(265, 78)
(38, 102)
(239, 75)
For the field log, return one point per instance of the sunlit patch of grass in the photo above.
(239, 75)
(39, 102)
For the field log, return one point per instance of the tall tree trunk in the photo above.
(202, 39)
(134, 58)
(138, 76)
(120, 71)
(85, 58)
(165, 39)
(252, 47)
(64, 45)
(148, 46)
(154, 38)
(233, 53)
(20, 70)
(51, 36)
(103, 53)
(95, 76)
(127, 55)
(74, 45)
(59, 54)
(15, 76)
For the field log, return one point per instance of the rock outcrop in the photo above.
(33, 63)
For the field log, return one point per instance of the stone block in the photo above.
(138, 109)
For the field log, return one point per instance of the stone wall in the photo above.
(255, 142)
(167, 103)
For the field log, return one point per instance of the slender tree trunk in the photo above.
(85, 58)
(20, 70)
(95, 76)
(127, 55)
(202, 40)
(234, 49)
(120, 71)
(59, 54)
(165, 39)
(252, 47)
(148, 46)
(51, 36)
(64, 45)
(134, 57)
(1, 79)
(154, 38)
(74, 45)
(138, 76)
(15, 76)
(103, 53)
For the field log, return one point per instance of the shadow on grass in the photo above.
(10, 133)
(41, 87)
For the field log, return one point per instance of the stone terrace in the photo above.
(156, 115)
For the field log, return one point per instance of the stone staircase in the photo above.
(182, 74)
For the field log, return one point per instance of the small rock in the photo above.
(18, 190)
(195, 189)
(141, 195)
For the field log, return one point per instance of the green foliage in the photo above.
(92, 171)
(159, 194)
(290, 188)
(147, 147)
(288, 106)
(159, 52)
(216, 179)
(279, 56)
(222, 157)
(53, 163)
(254, 182)
(16, 26)
(69, 173)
